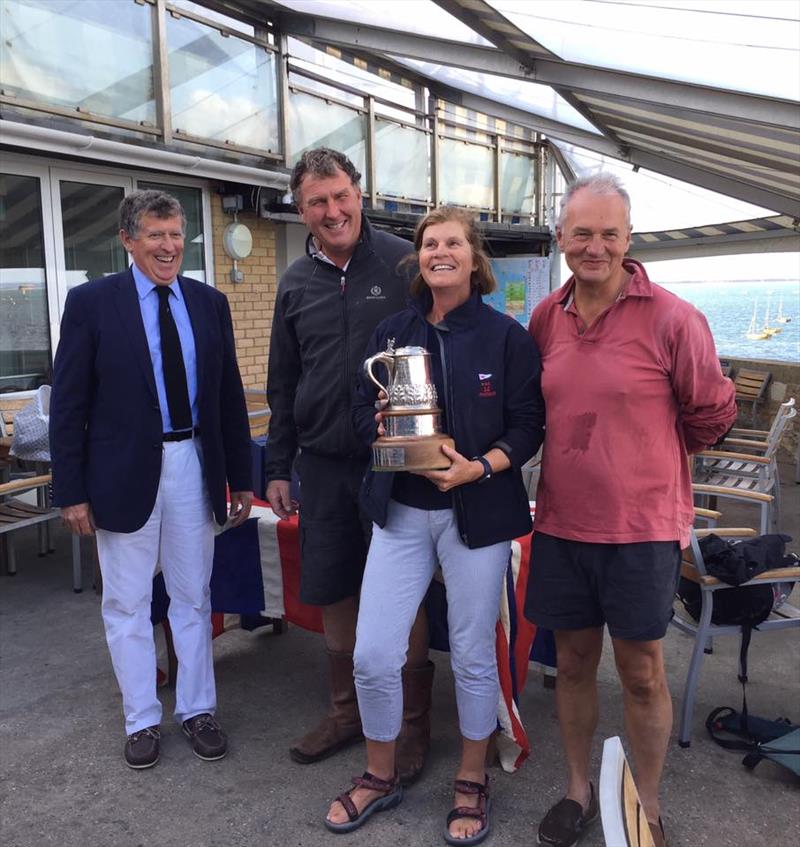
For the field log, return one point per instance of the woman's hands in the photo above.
(380, 405)
(461, 472)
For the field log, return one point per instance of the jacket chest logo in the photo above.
(485, 386)
(376, 293)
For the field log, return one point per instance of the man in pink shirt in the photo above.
(631, 383)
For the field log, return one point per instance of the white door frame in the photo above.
(50, 172)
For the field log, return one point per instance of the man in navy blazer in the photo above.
(144, 466)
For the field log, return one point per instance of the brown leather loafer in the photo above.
(564, 824)
(142, 748)
(209, 742)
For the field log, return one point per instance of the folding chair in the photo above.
(749, 471)
(693, 567)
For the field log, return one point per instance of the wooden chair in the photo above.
(754, 470)
(693, 568)
(758, 440)
(16, 514)
(751, 389)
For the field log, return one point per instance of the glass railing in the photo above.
(94, 57)
(517, 183)
(313, 121)
(466, 175)
(220, 87)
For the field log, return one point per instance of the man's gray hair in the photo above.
(149, 202)
(602, 183)
(321, 162)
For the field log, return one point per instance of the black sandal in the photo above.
(481, 811)
(392, 795)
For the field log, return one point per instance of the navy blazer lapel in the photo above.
(195, 306)
(127, 303)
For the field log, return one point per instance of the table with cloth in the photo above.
(256, 577)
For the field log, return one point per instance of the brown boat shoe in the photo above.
(142, 748)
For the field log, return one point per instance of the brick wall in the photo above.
(253, 300)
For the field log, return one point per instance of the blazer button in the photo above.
(156, 446)
(156, 407)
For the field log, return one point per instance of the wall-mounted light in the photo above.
(237, 242)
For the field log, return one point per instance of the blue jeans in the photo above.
(402, 560)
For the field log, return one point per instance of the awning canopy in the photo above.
(708, 95)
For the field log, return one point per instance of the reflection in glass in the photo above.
(467, 174)
(402, 161)
(24, 330)
(91, 231)
(315, 123)
(95, 55)
(517, 183)
(223, 88)
(192, 201)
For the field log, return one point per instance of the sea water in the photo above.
(728, 307)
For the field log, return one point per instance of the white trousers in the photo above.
(178, 535)
(402, 559)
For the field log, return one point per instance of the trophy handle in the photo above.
(385, 359)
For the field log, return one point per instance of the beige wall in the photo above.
(253, 300)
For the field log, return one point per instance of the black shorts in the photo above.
(334, 535)
(577, 585)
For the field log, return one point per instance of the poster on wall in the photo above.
(522, 281)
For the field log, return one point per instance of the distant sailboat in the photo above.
(769, 330)
(752, 333)
(780, 317)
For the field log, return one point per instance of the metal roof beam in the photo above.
(770, 111)
(746, 192)
(753, 108)
(554, 129)
(457, 54)
(726, 245)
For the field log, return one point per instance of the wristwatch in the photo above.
(487, 468)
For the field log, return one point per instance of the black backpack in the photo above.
(776, 740)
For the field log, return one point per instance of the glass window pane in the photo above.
(24, 326)
(402, 161)
(314, 123)
(223, 88)
(211, 15)
(467, 174)
(517, 183)
(95, 55)
(194, 262)
(91, 231)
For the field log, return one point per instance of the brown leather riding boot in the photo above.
(342, 725)
(414, 740)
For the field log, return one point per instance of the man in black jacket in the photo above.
(329, 302)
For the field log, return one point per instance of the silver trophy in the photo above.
(412, 417)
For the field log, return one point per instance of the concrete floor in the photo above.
(61, 736)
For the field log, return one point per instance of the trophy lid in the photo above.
(411, 351)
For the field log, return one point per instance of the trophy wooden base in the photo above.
(411, 453)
